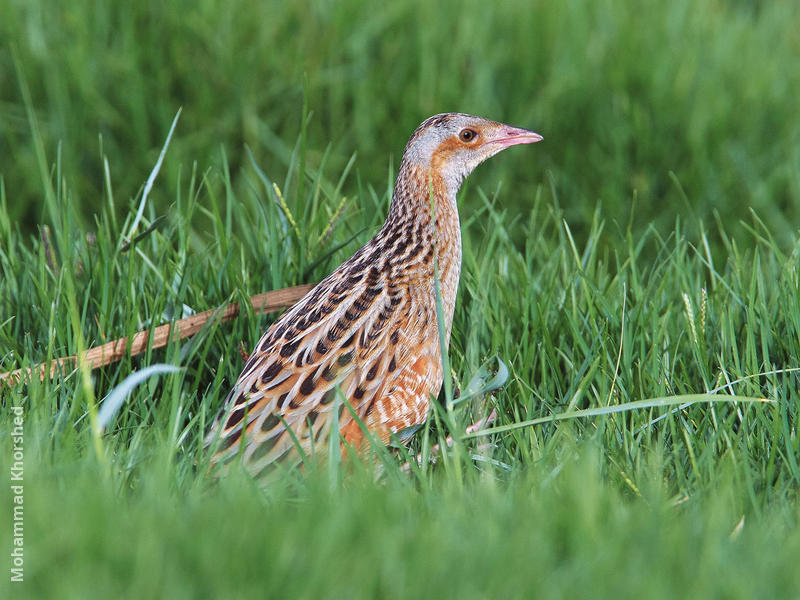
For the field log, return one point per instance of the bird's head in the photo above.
(451, 145)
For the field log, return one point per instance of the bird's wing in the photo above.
(342, 337)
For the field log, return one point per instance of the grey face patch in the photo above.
(435, 130)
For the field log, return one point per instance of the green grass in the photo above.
(543, 534)
(625, 93)
(590, 298)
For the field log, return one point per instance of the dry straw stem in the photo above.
(140, 342)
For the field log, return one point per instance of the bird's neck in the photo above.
(424, 213)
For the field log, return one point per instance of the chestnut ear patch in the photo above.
(444, 151)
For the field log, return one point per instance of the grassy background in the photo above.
(625, 94)
(619, 260)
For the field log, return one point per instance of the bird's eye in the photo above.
(467, 135)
